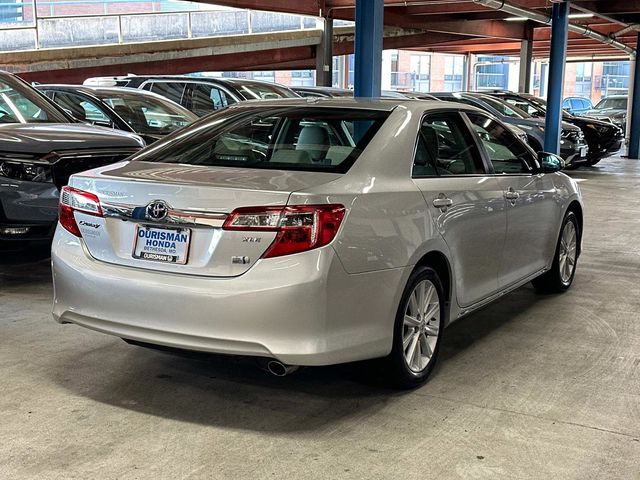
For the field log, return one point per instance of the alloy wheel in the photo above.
(421, 326)
(568, 250)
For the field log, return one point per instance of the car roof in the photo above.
(377, 103)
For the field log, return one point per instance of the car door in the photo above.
(467, 203)
(531, 201)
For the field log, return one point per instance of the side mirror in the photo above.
(550, 162)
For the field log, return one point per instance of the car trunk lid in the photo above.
(169, 217)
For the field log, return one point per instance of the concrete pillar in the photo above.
(368, 47)
(324, 55)
(526, 57)
(634, 121)
(557, 59)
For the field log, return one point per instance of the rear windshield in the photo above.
(282, 138)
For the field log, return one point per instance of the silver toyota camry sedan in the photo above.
(315, 232)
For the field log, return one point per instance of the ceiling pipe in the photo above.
(503, 6)
(624, 30)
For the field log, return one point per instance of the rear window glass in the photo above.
(284, 138)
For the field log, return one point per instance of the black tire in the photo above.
(396, 368)
(552, 281)
(593, 161)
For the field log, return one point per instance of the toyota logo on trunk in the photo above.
(157, 210)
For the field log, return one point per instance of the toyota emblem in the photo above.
(157, 210)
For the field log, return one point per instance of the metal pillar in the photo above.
(557, 59)
(368, 47)
(467, 81)
(324, 55)
(526, 57)
(634, 131)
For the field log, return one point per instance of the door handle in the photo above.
(511, 194)
(442, 202)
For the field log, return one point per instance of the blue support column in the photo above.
(634, 130)
(368, 47)
(557, 59)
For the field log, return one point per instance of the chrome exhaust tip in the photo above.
(279, 369)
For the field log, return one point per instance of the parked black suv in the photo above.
(40, 147)
(603, 138)
(201, 95)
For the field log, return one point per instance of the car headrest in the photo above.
(315, 140)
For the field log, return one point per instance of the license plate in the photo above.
(583, 152)
(168, 245)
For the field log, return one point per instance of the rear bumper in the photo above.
(301, 309)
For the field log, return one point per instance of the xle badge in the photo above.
(239, 260)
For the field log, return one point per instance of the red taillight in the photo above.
(299, 228)
(74, 200)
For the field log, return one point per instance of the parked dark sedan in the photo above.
(611, 109)
(199, 94)
(573, 147)
(137, 111)
(40, 147)
(604, 138)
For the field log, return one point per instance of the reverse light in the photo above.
(299, 228)
(75, 200)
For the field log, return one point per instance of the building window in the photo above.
(420, 74)
(453, 71)
(492, 73)
(303, 78)
(615, 78)
(583, 79)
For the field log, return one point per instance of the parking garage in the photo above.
(280, 206)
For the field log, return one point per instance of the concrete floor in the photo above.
(534, 386)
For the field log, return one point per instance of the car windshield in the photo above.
(19, 104)
(612, 103)
(148, 114)
(284, 138)
(263, 91)
(526, 105)
(505, 109)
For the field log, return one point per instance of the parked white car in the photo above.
(315, 232)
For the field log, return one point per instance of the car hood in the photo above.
(583, 122)
(607, 112)
(540, 122)
(40, 139)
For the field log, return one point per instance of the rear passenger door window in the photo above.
(505, 152)
(207, 98)
(446, 147)
(171, 90)
(82, 108)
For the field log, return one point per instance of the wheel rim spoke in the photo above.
(411, 321)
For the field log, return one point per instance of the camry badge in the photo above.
(157, 210)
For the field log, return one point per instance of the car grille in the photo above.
(65, 164)
(574, 136)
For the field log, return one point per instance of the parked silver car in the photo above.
(315, 232)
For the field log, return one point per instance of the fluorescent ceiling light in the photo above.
(571, 16)
(581, 15)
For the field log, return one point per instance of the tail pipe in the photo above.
(279, 369)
